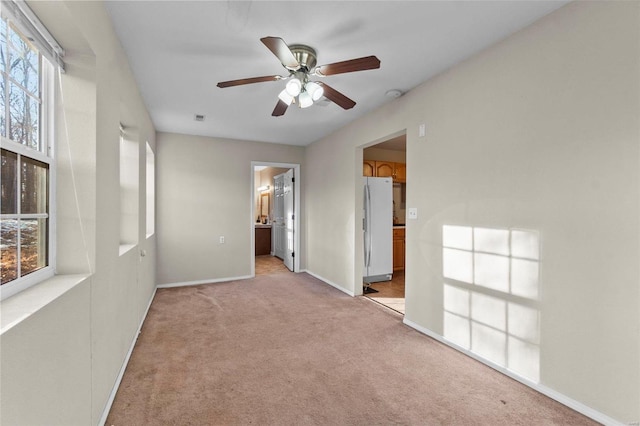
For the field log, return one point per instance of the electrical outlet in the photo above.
(221, 239)
(412, 213)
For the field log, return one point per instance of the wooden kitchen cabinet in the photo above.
(384, 169)
(369, 168)
(262, 240)
(400, 172)
(398, 249)
(397, 171)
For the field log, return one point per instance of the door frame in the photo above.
(358, 258)
(296, 209)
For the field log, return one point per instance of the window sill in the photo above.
(21, 306)
(124, 248)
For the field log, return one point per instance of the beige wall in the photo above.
(204, 192)
(60, 364)
(541, 133)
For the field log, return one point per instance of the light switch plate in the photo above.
(422, 130)
(412, 213)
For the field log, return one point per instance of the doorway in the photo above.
(275, 201)
(387, 158)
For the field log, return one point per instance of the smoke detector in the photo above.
(393, 93)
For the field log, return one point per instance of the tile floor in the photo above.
(267, 264)
(390, 293)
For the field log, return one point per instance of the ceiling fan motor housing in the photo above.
(305, 55)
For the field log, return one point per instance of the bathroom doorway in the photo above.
(275, 199)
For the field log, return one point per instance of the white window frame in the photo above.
(150, 190)
(46, 154)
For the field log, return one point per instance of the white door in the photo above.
(289, 217)
(278, 232)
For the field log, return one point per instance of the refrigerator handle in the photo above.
(367, 233)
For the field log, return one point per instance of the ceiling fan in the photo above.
(300, 62)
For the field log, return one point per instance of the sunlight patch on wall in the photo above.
(491, 292)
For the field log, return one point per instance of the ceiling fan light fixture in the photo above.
(285, 97)
(293, 87)
(305, 100)
(314, 89)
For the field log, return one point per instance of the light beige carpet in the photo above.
(287, 349)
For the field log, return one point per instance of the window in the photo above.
(129, 203)
(27, 167)
(151, 190)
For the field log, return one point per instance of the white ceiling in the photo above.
(180, 50)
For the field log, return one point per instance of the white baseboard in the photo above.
(555, 395)
(210, 281)
(332, 284)
(116, 385)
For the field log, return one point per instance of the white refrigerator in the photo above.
(378, 229)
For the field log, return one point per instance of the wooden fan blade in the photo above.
(279, 48)
(248, 81)
(336, 97)
(360, 64)
(280, 109)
